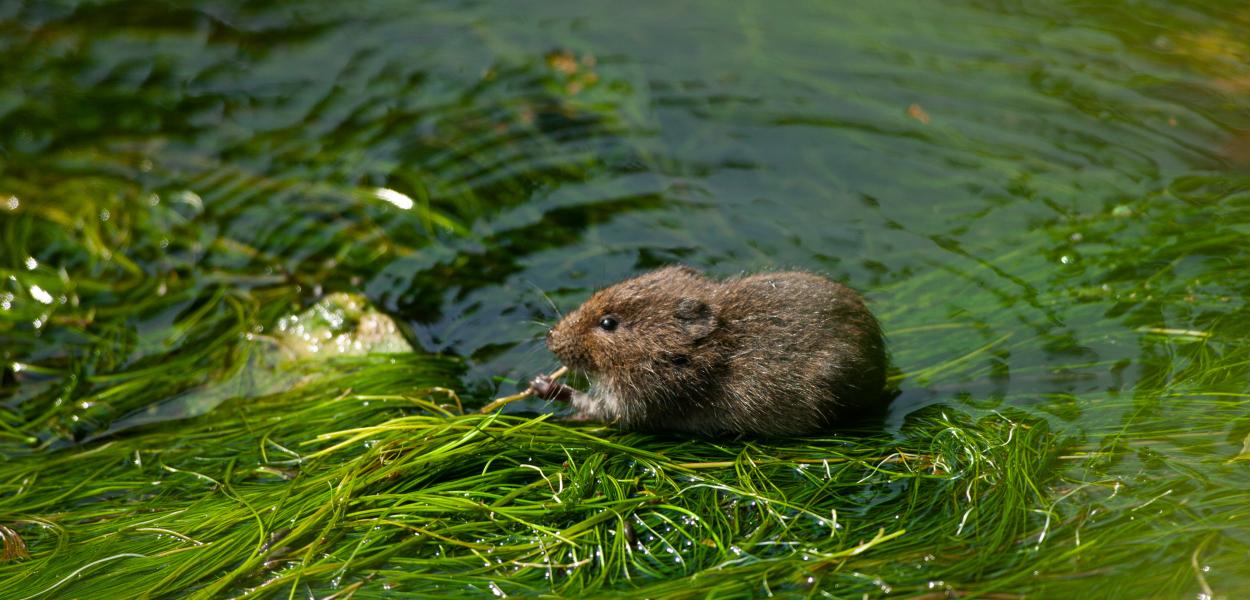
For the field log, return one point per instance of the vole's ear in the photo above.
(696, 317)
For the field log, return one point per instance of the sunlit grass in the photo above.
(1074, 418)
(363, 481)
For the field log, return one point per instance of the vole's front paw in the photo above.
(546, 388)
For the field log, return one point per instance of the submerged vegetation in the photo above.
(1056, 249)
(352, 488)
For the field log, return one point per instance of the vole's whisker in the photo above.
(544, 295)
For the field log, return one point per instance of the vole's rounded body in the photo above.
(772, 354)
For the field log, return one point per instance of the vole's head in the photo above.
(652, 324)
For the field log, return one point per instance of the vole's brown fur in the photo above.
(771, 354)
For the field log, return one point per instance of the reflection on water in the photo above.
(1048, 207)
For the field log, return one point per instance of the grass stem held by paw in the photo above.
(498, 403)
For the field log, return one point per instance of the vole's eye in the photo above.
(608, 323)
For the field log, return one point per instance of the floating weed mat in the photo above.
(342, 486)
(366, 480)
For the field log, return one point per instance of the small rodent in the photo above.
(772, 354)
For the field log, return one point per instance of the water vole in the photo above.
(771, 354)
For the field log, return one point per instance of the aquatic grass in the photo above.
(361, 476)
(131, 275)
(412, 496)
(1057, 254)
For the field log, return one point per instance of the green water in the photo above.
(1047, 204)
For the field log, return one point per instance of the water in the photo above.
(1047, 206)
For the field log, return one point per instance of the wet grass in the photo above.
(1073, 357)
(365, 483)
(364, 480)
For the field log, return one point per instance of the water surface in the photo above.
(1047, 206)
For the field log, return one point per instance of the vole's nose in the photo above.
(550, 332)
